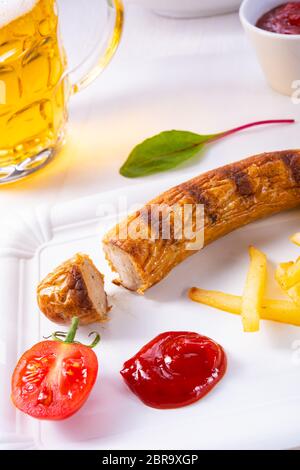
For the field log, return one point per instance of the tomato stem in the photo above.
(96, 339)
(70, 336)
(72, 331)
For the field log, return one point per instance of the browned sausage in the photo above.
(233, 196)
(75, 288)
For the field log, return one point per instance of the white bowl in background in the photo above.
(190, 8)
(278, 54)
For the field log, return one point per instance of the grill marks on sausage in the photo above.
(292, 162)
(242, 184)
(152, 218)
(197, 193)
(242, 181)
(199, 197)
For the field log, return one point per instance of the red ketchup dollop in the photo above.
(175, 369)
(284, 19)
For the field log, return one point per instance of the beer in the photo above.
(33, 84)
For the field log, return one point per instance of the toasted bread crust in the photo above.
(233, 196)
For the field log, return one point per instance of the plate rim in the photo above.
(34, 231)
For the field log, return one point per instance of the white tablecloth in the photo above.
(151, 85)
(198, 74)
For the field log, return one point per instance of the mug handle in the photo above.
(116, 16)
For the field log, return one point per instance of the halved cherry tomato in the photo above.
(53, 379)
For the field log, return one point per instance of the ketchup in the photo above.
(175, 369)
(284, 19)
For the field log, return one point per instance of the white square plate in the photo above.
(257, 404)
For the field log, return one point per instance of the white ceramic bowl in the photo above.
(278, 54)
(190, 8)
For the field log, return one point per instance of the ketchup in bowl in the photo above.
(284, 19)
(175, 369)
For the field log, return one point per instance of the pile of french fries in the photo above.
(252, 305)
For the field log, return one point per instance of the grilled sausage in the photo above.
(233, 196)
(75, 288)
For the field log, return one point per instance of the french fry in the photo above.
(227, 302)
(288, 277)
(282, 274)
(294, 293)
(254, 290)
(288, 274)
(295, 238)
(282, 311)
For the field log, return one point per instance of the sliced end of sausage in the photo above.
(123, 264)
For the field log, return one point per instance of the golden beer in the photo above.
(34, 80)
(34, 88)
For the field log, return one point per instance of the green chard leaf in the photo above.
(169, 149)
(162, 152)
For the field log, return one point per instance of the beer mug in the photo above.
(35, 83)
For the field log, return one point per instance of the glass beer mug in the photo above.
(35, 84)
